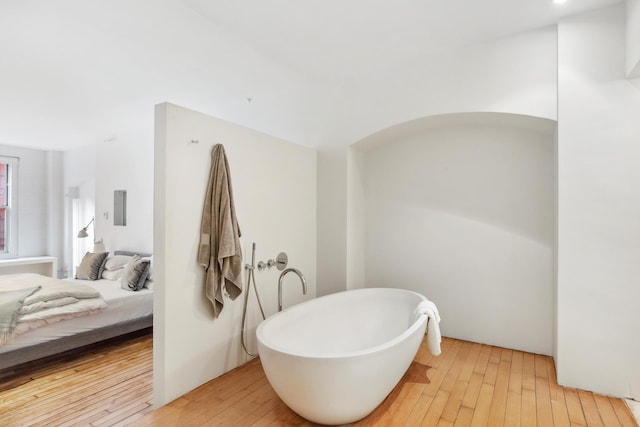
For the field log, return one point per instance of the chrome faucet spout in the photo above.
(284, 273)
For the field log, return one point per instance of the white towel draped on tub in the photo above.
(433, 329)
(219, 251)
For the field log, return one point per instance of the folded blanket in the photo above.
(51, 288)
(10, 303)
(42, 305)
(45, 317)
(50, 301)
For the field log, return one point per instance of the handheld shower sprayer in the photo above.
(250, 278)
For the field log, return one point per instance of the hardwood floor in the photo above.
(102, 385)
(467, 385)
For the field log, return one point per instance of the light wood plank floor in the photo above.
(468, 385)
(98, 386)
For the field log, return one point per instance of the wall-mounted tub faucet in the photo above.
(284, 273)
(280, 262)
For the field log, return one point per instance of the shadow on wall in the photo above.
(461, 208)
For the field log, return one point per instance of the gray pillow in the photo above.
(135, 274)
(91, 265)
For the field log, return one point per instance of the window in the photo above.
(8, 207)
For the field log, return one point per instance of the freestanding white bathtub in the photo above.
(334, 359)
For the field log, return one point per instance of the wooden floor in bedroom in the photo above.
(108, 384)
(468, 384)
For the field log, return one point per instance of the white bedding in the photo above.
(121, 306)
(52, 301)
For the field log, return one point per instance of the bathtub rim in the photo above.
(417, 324)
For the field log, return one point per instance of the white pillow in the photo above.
(117, 261)
(113, 275)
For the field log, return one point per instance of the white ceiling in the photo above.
(337, 38)
(73, 72)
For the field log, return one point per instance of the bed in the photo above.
(126, 311)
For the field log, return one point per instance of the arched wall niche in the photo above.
(526, 123)
(461, 208)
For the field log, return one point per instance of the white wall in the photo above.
(332, 220)
(516, 74)
(462, 211)
(356, 220)
(55, 206)
(555, 246)
(599, 207)
(633, 38)
(274, 185)
(79, 190)
(125, 162)
(511, 75)
(93, 172)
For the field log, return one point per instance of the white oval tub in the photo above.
(334, 359)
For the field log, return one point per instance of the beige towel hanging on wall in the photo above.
(219, 252)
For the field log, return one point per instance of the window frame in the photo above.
(11, 212)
